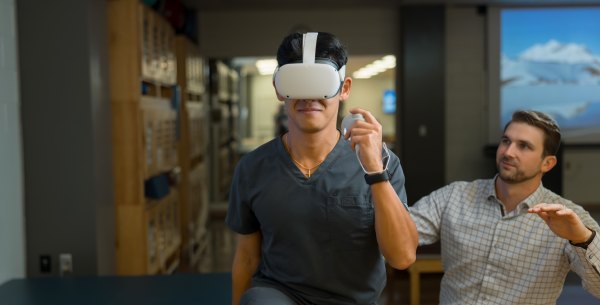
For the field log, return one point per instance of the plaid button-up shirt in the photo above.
(494, 257)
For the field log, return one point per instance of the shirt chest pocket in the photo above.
(350, 220)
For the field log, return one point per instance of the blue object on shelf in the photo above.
(157, 187)
(144, 88)
(176, 105)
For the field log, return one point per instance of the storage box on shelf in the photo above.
(222, 74)
(158, 56)
(159, 135)
(198, 123)
(144, 126)
(169, 249)
(163, 236)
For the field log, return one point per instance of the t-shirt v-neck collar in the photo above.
(297, 173)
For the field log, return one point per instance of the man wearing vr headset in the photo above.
(315, 225)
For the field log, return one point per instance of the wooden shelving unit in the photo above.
(175, 116)
(193, 154)
(224, 111)
(145, 138)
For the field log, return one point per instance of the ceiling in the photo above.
(323, 4)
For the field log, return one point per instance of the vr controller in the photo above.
(347, 122)
(313, 78)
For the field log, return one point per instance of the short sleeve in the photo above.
(427, 214)
(240, 216)
(397, 178)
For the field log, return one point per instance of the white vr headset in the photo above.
(310, 79)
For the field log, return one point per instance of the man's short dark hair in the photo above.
(328, 46)
(543, 122)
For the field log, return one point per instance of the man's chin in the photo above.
(515, 178)
(509, 178)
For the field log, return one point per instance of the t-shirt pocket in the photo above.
(351, 223)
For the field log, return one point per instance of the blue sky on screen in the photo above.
(522, 28)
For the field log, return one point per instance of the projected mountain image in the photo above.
(561, 79)
(552, 63)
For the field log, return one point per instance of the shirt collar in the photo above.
(531, 200)
(536, 197)
(490, 189)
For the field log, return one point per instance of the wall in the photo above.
(421, 116)
(66, 134)
(466, 110)
(581, 173)
(235, 33)
(368, 94)
(263, 106)
(12, 238)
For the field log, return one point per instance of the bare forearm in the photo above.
(242, 271)
(396, 232)
(246, 260)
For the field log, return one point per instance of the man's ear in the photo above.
(345, 92)
(279, 97)
(548, 163)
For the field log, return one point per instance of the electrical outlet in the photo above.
(65, 261)
(45, 263)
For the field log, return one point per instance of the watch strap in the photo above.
(377, 177)
(586, 243)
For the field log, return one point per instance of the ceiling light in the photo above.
(266, 66)
(385, 63)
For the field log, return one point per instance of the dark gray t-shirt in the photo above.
(318, 236)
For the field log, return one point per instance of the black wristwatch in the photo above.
(586, 243)
(377, 177)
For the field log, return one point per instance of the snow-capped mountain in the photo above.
(552, 63)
